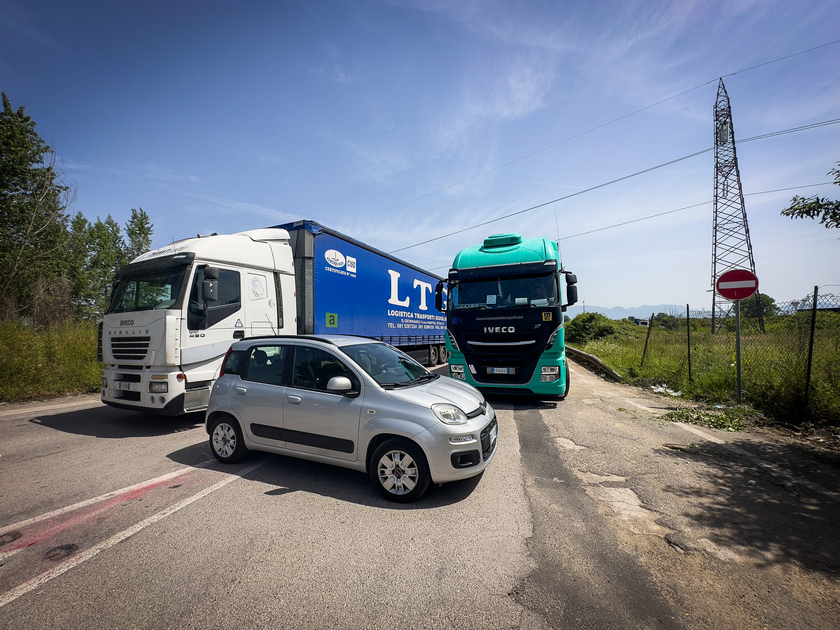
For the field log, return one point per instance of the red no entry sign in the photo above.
(737, 284)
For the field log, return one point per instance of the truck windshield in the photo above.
(158, 289)
(503, 292)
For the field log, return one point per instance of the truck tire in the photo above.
(443, 357)
(399, 471)
(433, 356)
(226, 440)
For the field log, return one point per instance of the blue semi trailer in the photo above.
(175, 311)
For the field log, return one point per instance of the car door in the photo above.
(315, 420)
(260, 393)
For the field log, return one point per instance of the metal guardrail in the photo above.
(592, 362)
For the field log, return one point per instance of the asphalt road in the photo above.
(596, 513)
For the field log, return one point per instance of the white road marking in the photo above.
(76, 560)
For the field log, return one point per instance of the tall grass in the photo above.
(43, 363)
(773, 366)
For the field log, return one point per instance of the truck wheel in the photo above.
(399, 471)
(442, 355)
(226, 440)
(568, 380)
(433, 356)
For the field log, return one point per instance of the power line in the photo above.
(615, 181)
(661, 214)
(583, 133)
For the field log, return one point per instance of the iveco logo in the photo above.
(335, 258)
(499, 329)
(126, 322)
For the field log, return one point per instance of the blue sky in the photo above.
(401, 122)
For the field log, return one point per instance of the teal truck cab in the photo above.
(504, 303)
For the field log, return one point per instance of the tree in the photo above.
(824, 209)
(139, 232)
(33, 211)
(108, 253)
(765, 305)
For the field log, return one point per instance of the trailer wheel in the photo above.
(399, 470)
(226, 440)
(433, 356)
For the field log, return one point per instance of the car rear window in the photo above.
(234, 363)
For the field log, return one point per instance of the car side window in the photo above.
(265, 364)
(315, 367)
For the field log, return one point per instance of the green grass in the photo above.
(773, 365)
(40, 364)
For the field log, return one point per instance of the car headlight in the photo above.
(449, 414)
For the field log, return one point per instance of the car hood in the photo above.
(444, 389)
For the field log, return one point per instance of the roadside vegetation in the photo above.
(56, 268)
(43, 363)
(774, 365)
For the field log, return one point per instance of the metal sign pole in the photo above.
(738, 346)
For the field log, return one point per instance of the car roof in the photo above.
(336, 340)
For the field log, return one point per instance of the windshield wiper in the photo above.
(425, 378)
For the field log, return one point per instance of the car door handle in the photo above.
(240, 390)
(295, 400)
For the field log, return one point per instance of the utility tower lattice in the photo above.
(730, 234)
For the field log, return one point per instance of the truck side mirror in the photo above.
(210, 290)
(439, 296)
(571, 278)
(571, 295)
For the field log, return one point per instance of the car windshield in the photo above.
(158, 289)
(388, 366)
(505, 292)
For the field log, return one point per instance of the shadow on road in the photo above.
(775, 499)
(105, 422)
(288, 474)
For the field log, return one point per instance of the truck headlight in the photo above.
(158, 387)
(449, 414)
(549, 373)
(457, 371)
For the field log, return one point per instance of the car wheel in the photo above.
(226, 440)
(399, 470)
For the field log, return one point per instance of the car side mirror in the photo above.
(341, 385)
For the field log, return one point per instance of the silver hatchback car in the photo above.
(353, 402)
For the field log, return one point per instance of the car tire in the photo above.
(226, 440)
(399, 471)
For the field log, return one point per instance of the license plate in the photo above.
(496, 370)
(124, 386)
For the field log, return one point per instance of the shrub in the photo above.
(589, 327)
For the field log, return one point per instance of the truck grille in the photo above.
(130, 348)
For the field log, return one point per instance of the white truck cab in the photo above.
(175, 311)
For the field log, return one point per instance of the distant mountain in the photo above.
(620, 312)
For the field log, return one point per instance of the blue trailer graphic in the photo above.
(347, 287)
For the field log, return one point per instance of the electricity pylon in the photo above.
(730, 235)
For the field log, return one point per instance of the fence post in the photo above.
(811, 348)
(647, 338)
(688, 332)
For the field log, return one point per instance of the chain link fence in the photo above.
(790, 355)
